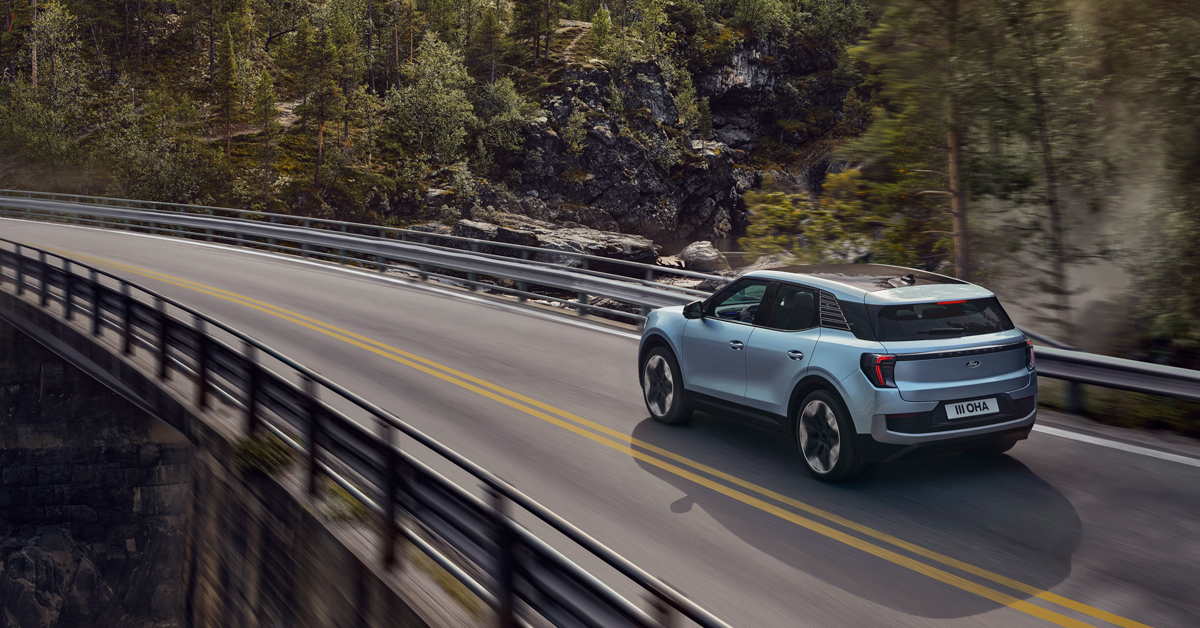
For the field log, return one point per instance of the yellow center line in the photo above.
(543, 411)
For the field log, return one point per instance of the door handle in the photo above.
(736, 345)
(796, 355)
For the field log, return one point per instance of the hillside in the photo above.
(406, 112)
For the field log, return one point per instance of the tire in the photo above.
(662, 387)
(825, 438)
(996, 447)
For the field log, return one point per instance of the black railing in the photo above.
(499, 561)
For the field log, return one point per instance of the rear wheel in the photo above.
(662, 387)
(825, 437)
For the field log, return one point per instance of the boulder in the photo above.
(526, 231)
(703, 257)
(767, 262)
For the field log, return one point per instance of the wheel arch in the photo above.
(804, 388)
(651, 341)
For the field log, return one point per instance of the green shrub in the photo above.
(262, 453)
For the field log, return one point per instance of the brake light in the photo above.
(1029, 362)
(951, 302)
(879, 369)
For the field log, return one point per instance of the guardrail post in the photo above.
(43, 280)
(521, 285)
(314, 428)
(126, 320)
(581, 298)
(68, 290)
(649, 274)
(306, 247)
(1075, 403)
(164, 372)
(241, 237)
(20, 271)
(154, 228)
(662, 612)
(342, 252)
(271, 241)
(201, 362)
(97, 328)
(473, 277)
(506, 561)
(381, 264)
(390, 484)
(251, 365)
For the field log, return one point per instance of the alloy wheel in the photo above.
(658, 385)
(820, 438)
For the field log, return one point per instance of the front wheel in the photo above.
(662, 387)
(825, 437)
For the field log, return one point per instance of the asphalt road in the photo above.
(1059, 532)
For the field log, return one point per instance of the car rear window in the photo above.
(942, 319)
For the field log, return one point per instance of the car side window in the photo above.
(792, 308)
(739, 302)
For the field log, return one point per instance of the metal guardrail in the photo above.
(526, 266)
(1059, 361)
(518, 575)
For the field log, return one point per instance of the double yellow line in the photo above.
(752, 495)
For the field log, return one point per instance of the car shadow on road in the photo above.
(990, 512)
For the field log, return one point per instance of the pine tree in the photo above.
(225, 88)
(266, 116)
(529, 17)
(325, 97)
(487, 45)
(915, 49)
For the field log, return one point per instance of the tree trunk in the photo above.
(33, 47)
(958, 200)
(320, 149)
(370, 46)
(1058, 245)
(212, 39)
(139, 41)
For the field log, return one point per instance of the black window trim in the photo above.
(764, 313)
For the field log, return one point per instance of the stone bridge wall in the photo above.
(110, 516)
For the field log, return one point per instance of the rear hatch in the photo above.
(953, 348)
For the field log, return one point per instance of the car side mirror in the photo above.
(693, 310)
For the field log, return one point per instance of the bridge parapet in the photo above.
(230, 394)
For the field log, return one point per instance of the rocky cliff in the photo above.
(612, 152)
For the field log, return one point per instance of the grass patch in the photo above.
(1122, 408)
(262, 453)
(340, 506)
(446, 581)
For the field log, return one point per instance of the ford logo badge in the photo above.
(972, 364)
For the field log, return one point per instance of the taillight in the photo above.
(1029, 354)
(880, 369)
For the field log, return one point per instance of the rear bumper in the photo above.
(874, 451)
(881, 434)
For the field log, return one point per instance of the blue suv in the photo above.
(857, 363)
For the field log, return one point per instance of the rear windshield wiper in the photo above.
(943, 330)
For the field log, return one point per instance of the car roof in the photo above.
(876, 283)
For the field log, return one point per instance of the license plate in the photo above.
(978, 407)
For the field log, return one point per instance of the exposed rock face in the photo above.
(703, 257)
(637, 172)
